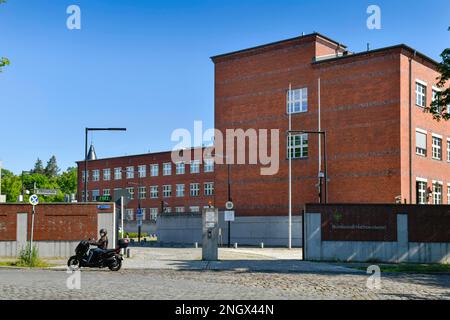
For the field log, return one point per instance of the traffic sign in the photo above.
(229, 205)
(47, 192)
(34, 200)
(229, 215)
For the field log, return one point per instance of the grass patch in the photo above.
(413, 268)
(28, 258)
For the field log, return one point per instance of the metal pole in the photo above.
(229, 199)
(325, 165)
(139, 208)
(32, 233)
(290, 169)
(85, 165)
(122, 213)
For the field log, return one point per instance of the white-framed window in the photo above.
(154, 192)
(107, 192)
(144, 213)
(95, 194)
(96, 175)
(142, 192)
(117, 173)
(131, 192)
(153, 214)
(421, 94)
(83, 177)
(168, 209)
(154, 170)
(130, 172)
(142, 171)
(167, 169)
(437, 192)
(448, 193)
(106, 174)
(195, 189)
(129, 214)
(421, 142)
(421, 190)
(298, 146)
(194, 209)
(437, 148)
(209, 188)
(195, 166)
(435, 97)
(297, 100)
(180, 168)
(180, 190)
(179, 209)
(82, 195)
(167, 191)
(209, 165)
(448, 149)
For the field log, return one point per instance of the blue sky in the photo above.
(145, 65)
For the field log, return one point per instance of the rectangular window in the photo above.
(131, 192)
(435, 98)
(130, 172)
(437, 193)
(106, 174)
(437, 148)
(180, 168)
(117, 173)
(142, 192)
(209, 189)
(194, 209)
(107, 192)
(421, 95)
(153, 213)
(154, 170)
(195, 166)
(297, 100)
(154, 192)
(84, 176)
(209, 165)
(298, 146)
(167, 191)
(129, 214)
(95, 195)
(167, 169)
(96, 175)
(180, 190)
(143, 211)
(421, 189)
(82, 195)
(142, 171)
(179, 209)
(168, 210)
(195, 189)
(421, 143)
(448, 150)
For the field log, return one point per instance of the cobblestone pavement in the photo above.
(227, 285)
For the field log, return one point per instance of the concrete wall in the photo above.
(273, 231)
(395, 252)
(148, 227)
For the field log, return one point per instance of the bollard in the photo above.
(128, 253)
(235, 245)
(196, 245)
(262, 245)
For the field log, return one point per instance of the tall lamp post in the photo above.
(86, 154)
(139, 185)
(325, 173)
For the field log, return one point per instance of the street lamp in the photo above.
(325, 173)
(86, 154)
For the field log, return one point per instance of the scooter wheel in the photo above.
(73, 263)
(115, 265)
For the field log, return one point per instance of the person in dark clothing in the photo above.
(102, 245)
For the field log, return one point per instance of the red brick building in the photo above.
(380, 143)
(152, 177)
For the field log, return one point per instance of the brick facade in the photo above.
(364, 110)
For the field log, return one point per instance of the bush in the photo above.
(133, 234)
(26, 261)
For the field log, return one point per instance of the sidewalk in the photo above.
(245, 259)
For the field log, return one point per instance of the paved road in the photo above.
(202, 285)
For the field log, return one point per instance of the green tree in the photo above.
(52, 170)
(439, 108)
(38, 167)
(68, 181)
(3, 61)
